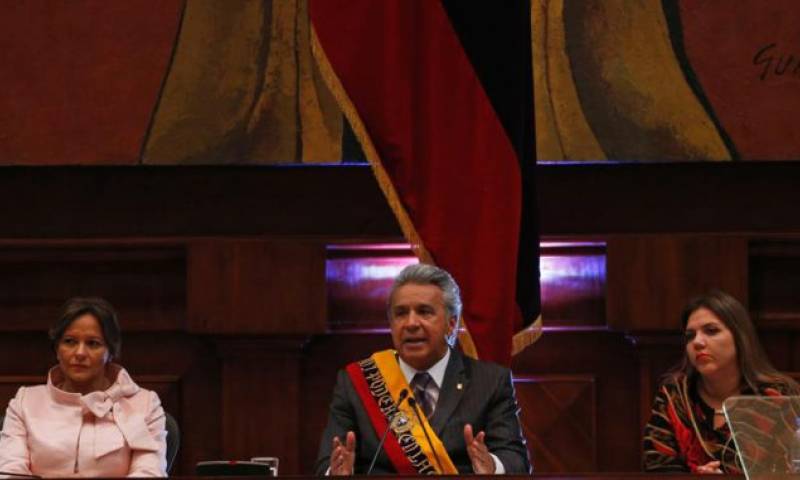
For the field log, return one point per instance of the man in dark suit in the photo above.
(466, 410)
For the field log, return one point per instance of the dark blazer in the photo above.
(486, 400)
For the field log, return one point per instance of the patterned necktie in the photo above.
(421, 384)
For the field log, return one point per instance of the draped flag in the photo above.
(440, 95)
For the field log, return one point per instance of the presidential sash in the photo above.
(378, 382)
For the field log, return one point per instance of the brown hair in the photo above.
(754, 365)
(99, 309)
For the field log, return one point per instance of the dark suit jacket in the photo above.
(486, 401)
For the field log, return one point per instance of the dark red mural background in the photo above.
(746, 58)
(80, 80)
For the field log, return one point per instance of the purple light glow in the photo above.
(359, 276)
(371, 247)
(353, 271)
(552, 267)
(561, 268)
(549, 245)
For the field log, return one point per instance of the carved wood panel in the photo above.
(651, 277)
(145, 283)
(774, 283)
(559, 421)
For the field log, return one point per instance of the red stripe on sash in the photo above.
(391, 446)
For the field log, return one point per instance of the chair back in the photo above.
(173, 440)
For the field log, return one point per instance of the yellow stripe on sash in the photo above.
(386, 361)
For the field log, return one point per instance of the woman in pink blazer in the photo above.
(90, 419)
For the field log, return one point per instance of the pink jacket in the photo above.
(115, 433)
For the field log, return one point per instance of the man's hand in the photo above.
(343, 456)
(710, 467)
(482, 462)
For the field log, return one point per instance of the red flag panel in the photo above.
(448, 160)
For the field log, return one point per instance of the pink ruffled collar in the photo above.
(99, 403)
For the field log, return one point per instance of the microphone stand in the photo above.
(400, 399)
(415, 407)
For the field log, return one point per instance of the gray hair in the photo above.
(425, 274)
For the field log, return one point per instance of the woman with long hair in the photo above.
(687, 431)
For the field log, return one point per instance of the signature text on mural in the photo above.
(771, 61)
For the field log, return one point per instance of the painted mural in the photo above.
(671, 80)
(167, 82)
(179, 82)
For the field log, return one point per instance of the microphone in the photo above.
(400, 399)
(415, 407)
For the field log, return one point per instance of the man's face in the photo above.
(420, 325)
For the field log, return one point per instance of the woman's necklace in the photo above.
(705, 393)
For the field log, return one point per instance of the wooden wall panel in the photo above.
(146, 284)
(345, 202)
(650, 278)
(775, 283)
(62, 202)
(200, 407)
(26, 354)
(256, 286)
(559, 421)
(611, 361)
(668, 198)
(260, 412)
(781, 347)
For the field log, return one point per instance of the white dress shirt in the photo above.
(437, 374)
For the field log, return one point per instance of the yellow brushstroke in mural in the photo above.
(653, 113)
(273, 126)
(243, 88)
(208, 96)
(321, 118)
(562, 132)
(289, 112)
